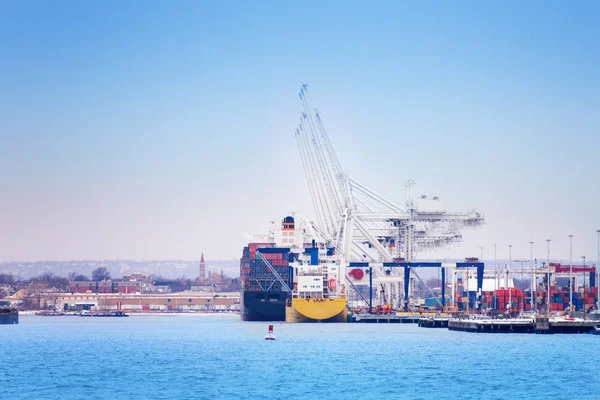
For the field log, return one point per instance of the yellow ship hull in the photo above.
(316, 310)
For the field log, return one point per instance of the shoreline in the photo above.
(137, 314)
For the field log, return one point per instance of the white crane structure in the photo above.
(362, 224)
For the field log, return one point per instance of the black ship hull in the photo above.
(263, 306)
(9, 317)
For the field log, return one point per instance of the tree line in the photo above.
(53, 280)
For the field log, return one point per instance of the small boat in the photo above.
(118, 314)
(270, 335)
(8, 316)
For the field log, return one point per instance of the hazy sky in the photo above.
(148, 130)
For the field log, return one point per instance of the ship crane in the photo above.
(361, 223)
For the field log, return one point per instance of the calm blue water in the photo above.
(220, 357)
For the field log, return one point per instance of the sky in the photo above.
(158, 130)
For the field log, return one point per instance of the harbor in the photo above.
(261, 200)
(363, 251)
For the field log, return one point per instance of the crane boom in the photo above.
(360, 222)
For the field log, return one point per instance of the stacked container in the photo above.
(254, 271)
(518, 300)
(510, 299)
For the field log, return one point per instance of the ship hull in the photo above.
(263, 306)
(316, 310)
(9, 317)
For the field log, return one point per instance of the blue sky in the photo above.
(156, 130)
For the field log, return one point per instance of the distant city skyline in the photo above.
(148, 131)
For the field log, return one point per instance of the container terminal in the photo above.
(357, 261)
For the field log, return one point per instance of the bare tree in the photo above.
(31, 299)
(52, 280)
(7, 279)
(100, 274)
(74, 276)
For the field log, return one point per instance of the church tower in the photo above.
(202, 272)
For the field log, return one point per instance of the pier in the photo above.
(434, 322)
(550, 325)
(540, 325)
(385, 318)
(492, 325)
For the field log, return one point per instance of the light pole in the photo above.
(522, 288)
(508, 275)
(571, 272)
(533, 285)
(480, 260)
(584, 296)
(598, 272)
(496, 264)
(548, 285)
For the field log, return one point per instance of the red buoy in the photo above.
(270, 335)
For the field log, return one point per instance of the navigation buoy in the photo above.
(270, 335)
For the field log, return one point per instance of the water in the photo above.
(220, 357)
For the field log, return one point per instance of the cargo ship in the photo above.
(289, 276)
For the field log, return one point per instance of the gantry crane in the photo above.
(360, 223)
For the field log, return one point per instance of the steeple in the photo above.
(202, 270)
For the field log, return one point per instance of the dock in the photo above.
(385, 318)
(540, 325)
(545, 325)
(477, 324)
(520, 325)
(434, 322)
